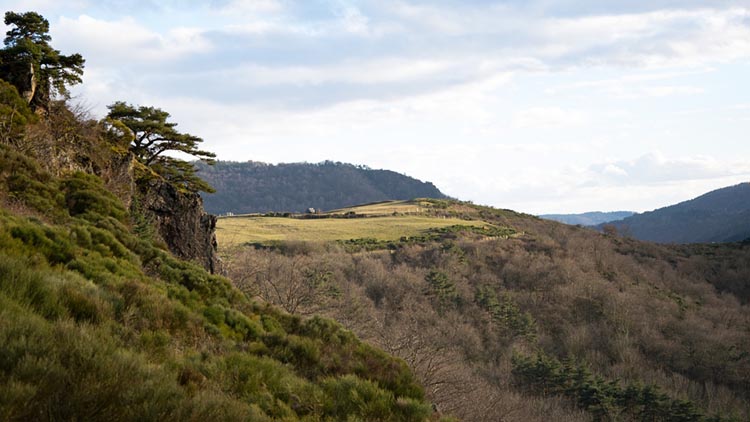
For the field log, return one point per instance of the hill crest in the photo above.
(255, 187)
(722, 215)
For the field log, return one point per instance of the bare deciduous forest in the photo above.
(482, 322)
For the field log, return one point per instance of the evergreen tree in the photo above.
(151, 135)
(28, 61)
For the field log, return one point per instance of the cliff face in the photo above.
(179, 217)
(181, 221)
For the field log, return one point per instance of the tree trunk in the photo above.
(28, 95)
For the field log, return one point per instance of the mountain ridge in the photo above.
(722, 215)
(257, 187)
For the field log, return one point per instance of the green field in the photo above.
(239, 230)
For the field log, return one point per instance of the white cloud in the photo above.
(609, 186)
(250, 7)
(500, 94)
(636, 91)
(352, 19)
(433, 48)
(549, 117)
(655, 168)
(41, 5)
(637, 198)
(360, 72)
(612, 169)
(656, 38)
(126, 42)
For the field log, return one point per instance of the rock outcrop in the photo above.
(178, 216)
(181, 221)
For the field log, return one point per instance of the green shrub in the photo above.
(25, 182)
(30, 288)
(271, 386)
(85, 193)
(358, 399)
(83, 303)
(56, 248)
(442, 288)
(15, 114)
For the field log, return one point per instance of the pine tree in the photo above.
(30, 63)
(150, 136)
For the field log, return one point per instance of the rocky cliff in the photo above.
(178, 217)
(181, 221)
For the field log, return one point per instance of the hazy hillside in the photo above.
(588, 218)
(505, 316)
(252, 187)
(722, 215)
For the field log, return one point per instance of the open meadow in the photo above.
(235, 231)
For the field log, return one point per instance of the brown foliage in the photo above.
(633, 311)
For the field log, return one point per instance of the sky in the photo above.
(539, 106)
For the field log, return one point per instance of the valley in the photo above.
(123, 298)
(486, 317)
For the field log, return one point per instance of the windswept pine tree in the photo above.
(32, 65)
(150, 136)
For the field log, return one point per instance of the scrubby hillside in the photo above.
(525, 319)
(99, 318)
(99, 323)
(722, 215)
(253, 187)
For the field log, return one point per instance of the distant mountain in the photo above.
(250, 187)
(588, 218)
(722, 215)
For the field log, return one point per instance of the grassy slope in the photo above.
(98, 323)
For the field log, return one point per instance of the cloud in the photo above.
(376, 71)
(638, 198)
(646, 183)
(512, 96)
(657, 38)
(125, 42)
(654, 168)
(288, 54)
(251, 7)
(549, 117)
(614, 170)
